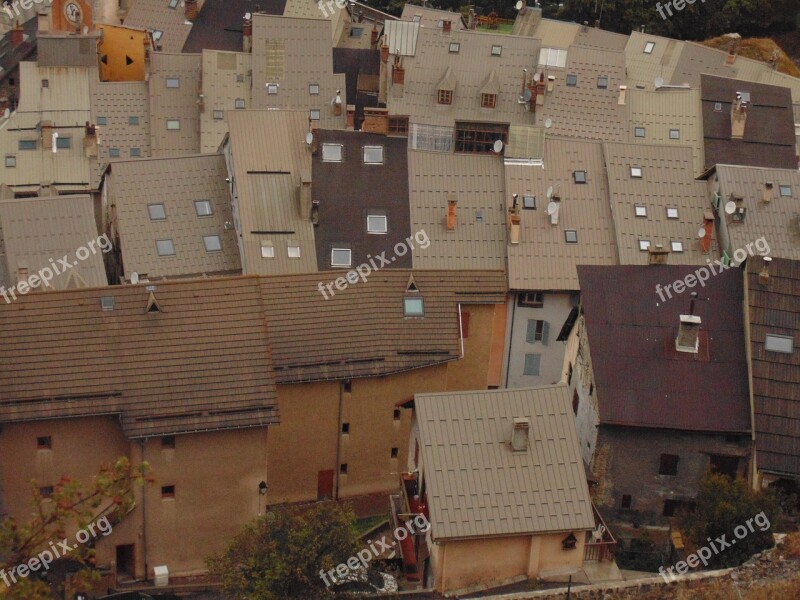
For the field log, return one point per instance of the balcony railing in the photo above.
(600, 544)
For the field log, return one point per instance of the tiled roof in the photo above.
(773, 309)
(543, 260)
(555, 34)
(170, 103)
(219, 25)
(666, 182)
(10, 56)
(201, 363)
(697, 59)
(176, 183)
(227, 77)
(431, 17)
(643, 68)
(640, 379)
(156, 15)
(600, 39)
(37, 232)
(476, 184)
(478, 486)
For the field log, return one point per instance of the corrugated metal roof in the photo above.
(37, 232)
(773, 309)
(644, 68)
(401, 37)
(477, 486)
(175, 183)
(696, 59)
(556, 34)
(431, 17)
(592, 37)
(667, 181)
(476, 183)
(227, 77)
(156, 15)
(170, 103)
(543, 260)
(640, 380)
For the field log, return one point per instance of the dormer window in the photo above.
(413, 306)
(445, 97)
(497, 50)
(488, 100)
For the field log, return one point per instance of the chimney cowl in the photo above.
(763, 276)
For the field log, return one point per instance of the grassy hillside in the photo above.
(759, 49)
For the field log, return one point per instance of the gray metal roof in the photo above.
(227, 77)
(169, 103)
(478, 487)
(158, 16)
(401, 37)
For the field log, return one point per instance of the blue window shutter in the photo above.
(530, 336)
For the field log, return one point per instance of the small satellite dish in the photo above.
(134, 278)
(519, 5)
(659, 82)
(498, 146)
(550, 192)
(551, 208)
(548, 123)
(309, 138)
(730, 207)
(247, 15)
(527, 95)
(701, 233)
(537, 76)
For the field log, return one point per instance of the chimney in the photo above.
(738, 117)
(471, 19)
(398, 72)
(763, 276)
(657, 255)
(623, 90)
(373, 38)
(688, 339)
(337, 104)
(514, 221)
(190, 10)
(446, 27)
(47, 134)
(520, 434)
(384, 53)
(247, 34)
(16, 35)
(766, 193)
(305, 196)
(351, 116)
(451, 212)
(90, 141)
(376, 120)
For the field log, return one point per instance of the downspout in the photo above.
(460, 330)
(144, 515)
(337, 469)
(511, 336)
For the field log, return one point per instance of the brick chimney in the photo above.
(190, 10)
(247, 34)
(447, 27)
(738, 116)
(763, 276)
(373, 38)
(17, 35)
(384, 53)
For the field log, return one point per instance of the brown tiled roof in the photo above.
(640, 380)
(477, 486)
(773, 309)
(201, 363)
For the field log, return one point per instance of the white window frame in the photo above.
(171, 246)
(267, 250)
(649, 47)
(636, 172)
(785, 187)
(672, 212)
(272, 89)
(674, 134)
(216, 243)
(336, 149)
(771, 339)
(411, 311)
(644, 245)
(676, 246)
(293, 251)
(382, 230)
(367, 149)
(313, 89)
(640, 210)
(347, 264)
(497, 50)
(314, 114)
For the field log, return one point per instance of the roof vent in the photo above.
(519, 435)
(763, 276)
(688, 339)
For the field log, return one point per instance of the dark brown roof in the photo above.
(769, 138)
(349, 190)
(361, 331)
(774, 309)
(355, 62)
(640, 380)
(219, 25)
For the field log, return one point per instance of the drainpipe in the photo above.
(460, 330)
(337, 470)
(511, 336)
(144, 514)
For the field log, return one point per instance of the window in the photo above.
(779, 343)
(641, 211)
(673, 506)
(313, 114)
(44, 442)
(529, 202)
(293, 251)
(668, 464)
(173, 3)
(395, 452)
(572, 80)
(238, 103)
(396, 414)
(626, 501)
(212, 243)
(488, 100)
(538, 331)
(173, 82)
(135, 152)
(113, 152)
(638, 132)
(203, 208)
(648, 47)
(479, 138)
(343, 469)
(267, 250)
(571, 236)
(63, 143)
(45, 83)
(157, 34)
(497, 50)
(331, 153)
(345, 427)
(356, 32)
(786, 191)
(156, 212)
(377, 224)
(27, 145)
(168, 442)
(726, 465)
(313, 89)
(553, 57)
(272, 89)
(445, 97)
(11, 160)
(102, 120)
(532, 299)
(341, 257)
(218, 115)
(644, 245)
(173, 124)
(636, 172)
(672, 212)
(398, 125)
(107, 302)
(46, 491)
(602, 82)
(454, 47)
(133, 120)
(674, 134)
(532, 365)
(413, 307)
(717, 106)
(165, 248)
(676, 246)
(167, 492)
(579, 176)
(373, 155)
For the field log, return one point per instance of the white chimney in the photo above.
(519, 435)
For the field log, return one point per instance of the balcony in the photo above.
(600, 544)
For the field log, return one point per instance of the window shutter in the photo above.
(530, 336)
(545, 332)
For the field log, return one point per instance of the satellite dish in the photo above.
(551, 208)
(309, 138)
(550, 192)
(548, 123)
(730, 207)
(519, 5)
(659, 82)
(134, 278)
(498, 146)
(701, 233)
(537, 76)
(527, 95)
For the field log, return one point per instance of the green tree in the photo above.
(280, 555)
(72, 506)
(724, 507)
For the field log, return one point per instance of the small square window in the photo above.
(602, 82)
(11, 160)
(648, 47)
(416, 18)
(668, 464)
(212, 243)
(672, 212)
(572, 80)
(133, 120)
(168, 442)
(413, 307)
(63, 143)
(579, 176)
(267, 250)
(529, 202)
(173, 82)
(373, 155)
(644, 245)
(173, 3)
(46, 491)
(203, 208)
(113, 152)
(779, 343)
(313, 89)
(488, 100)
(341, 257)
(165, 248)
(343, 469)
(173, 124)
(636, 172)
(396, 414)
(107, 302)
(167, 491)
(717, 106)
(156, 212)
(571, 236)
(674, 134)
(157, 34)
(455, 47)
(45, 83)
(345, 427)
(313, 114)
(497, 50)
(135, 152)
(331, 153)
(395, 452)
(102, 120)
(44, 442)
(638, 132)
(641, 211)
(272, 89)
(356, 32)
(786, 191)
(238, 103)
(218, 115)
(377, 224)
(676, 246)
(532, 365)
(27, 145)
(293, 251)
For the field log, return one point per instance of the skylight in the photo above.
(331, 153)
(672, 213)
(579, 176)
(602, 82)
(156, 212)
(373, 155)
(674, 134)
(212, 243)
(165, 247)
(454, 47)
(341, 257)
(641, 211)
(786, 191)
(203, 208)
(377, 224)
(529, 202)
(648, 47)
(572, 80)
(676, 246)
(413, 307)
(497, 50)
(644, 244)
(571, 236)
(779, 343)
(636, 172)
(553, 57)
